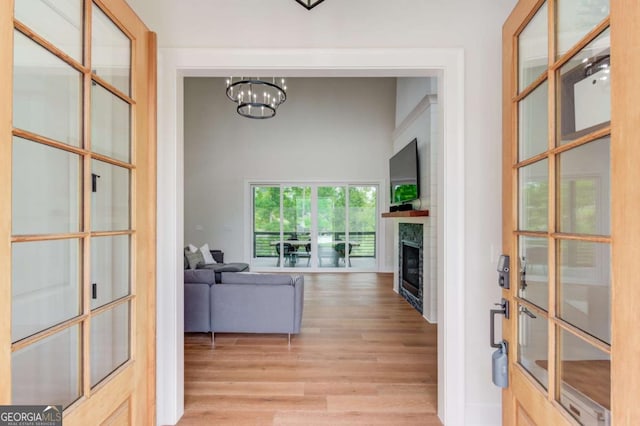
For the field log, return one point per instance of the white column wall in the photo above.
(420, 120)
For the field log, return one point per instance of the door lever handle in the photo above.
(504, 310)
(527, 312)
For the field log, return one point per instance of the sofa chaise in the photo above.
(242, 302)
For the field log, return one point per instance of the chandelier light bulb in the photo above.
(273, 95)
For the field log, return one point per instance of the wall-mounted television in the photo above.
(404, 174)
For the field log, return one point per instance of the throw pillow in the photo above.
(194, 259)
(192, 248)
(206, 254)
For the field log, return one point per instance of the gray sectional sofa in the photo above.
(242, 302)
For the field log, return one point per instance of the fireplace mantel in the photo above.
(406, 213)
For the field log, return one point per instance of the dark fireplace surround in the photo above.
(411, 265)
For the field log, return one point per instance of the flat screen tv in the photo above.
(404, 175)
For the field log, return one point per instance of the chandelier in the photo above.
(309, 4)
(256, 98)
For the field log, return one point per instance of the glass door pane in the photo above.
(111, 52)
(266, 226)
(575, 18)
(585, 376)
(533, 116)
(46, 285)
(534, 270)
(534, 197)
(109, 341)
(363, 220)
(110, 124)
(110, 198)
(585, 287)
(296, 226)
(47, 93)
(46, 189)
(331, 226)
(533, 49)
(585, 189)
(48, 372)
(110, 269)
(59, 22)
(584, 97)
(533, 344)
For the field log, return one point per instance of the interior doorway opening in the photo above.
(445, 62)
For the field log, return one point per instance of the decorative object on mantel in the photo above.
(309, 4)
(406, 213)
(256, 98)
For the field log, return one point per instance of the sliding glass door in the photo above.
(330, 227)
(363, 223)
(294, 248)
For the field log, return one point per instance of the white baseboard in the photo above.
(430, 321)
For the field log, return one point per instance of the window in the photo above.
(314, 226)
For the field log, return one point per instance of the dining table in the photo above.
(300, 249)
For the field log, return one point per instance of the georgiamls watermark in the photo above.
(30, 415)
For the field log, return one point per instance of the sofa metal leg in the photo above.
(289, 335)
(213, 343)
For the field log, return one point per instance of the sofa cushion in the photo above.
(197, 308)
(255, 278)
(194, 258)
(199, 276)
(218, 255)
(206, 255)
(226, 267)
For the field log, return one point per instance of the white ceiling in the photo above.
(334, 23)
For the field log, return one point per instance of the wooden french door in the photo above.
(571, 149)
(77, 210)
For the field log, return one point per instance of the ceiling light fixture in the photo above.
(257, 98)
(309, 4)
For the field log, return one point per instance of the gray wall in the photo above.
(329, 129)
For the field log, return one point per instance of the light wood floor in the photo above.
(364, 357)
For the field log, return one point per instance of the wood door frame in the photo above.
(139, 370)
(625, 199)
(175, 64)
(541, 409)
(6, 128)
(625, 221)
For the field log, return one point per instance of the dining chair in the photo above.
(307, 248)
(289, 252)
(340, 249)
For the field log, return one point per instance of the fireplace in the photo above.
(410, 278)
(411, 264)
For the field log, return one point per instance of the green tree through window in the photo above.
(294, 202)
